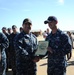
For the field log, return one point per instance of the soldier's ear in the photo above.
(56, 22)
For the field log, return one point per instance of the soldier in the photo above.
(4, 43)
(20, 29)
(4, 30)
(25, 47)
(9, 30)
(59, 46)
(12, 50)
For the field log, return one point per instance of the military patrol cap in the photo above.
(9, 29)
(14, 26)
(4, 28)
(27, 20)
(50, 18)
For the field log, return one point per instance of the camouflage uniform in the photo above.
(7, 53)
(25, 47)
(12, 53)
(4, 43)
(59, 42)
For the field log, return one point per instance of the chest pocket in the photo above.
(55, 42)
(26, 42)
(29, 43)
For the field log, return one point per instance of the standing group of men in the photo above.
(24, 45)
(9, 60)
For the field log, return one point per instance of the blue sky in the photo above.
(14, 11)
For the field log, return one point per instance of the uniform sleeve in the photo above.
(35, 44)
(5, 42)
(71, 42)
(65, 46)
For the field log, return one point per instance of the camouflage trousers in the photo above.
(3, 67)
(58, 70)
(25, 68)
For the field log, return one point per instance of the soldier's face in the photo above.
(4, 30)
(52, 24)
(14, 29)
(10, 31)
(27, 27)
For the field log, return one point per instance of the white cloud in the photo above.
(6, 9)
(61, 2)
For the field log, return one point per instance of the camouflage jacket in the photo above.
(25, 48)
(4, 43)
(60, 44)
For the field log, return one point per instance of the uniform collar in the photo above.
(58, 30)
(27, 35)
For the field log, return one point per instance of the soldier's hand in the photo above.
(36, 59)
(49, 49)
(69, 56)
